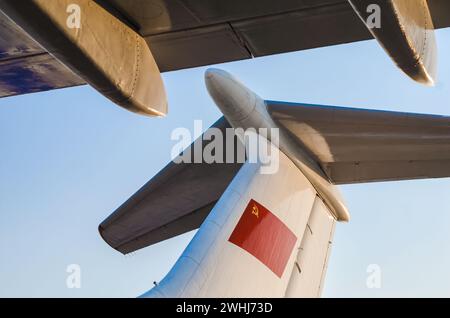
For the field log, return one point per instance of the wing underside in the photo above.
(190, 33)
(27, 68)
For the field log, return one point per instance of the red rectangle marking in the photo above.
(265, 236)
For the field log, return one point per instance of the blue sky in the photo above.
(70, 157)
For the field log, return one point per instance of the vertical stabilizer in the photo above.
(247, 246)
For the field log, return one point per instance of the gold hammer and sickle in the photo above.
(255, 211)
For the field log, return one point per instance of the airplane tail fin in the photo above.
(268, 232)
(268, 236)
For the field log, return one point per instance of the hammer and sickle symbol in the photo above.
(255, 211)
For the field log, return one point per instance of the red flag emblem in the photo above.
(265, 236)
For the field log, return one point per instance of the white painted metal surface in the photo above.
(245, 109)
(311, 263)
(211, 266)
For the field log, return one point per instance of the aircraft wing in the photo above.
(358, 145)
(175, 201)
(190, 33)
(180, 34)
(25, 67)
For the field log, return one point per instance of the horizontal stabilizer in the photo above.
(359, 145)
(175, 201)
